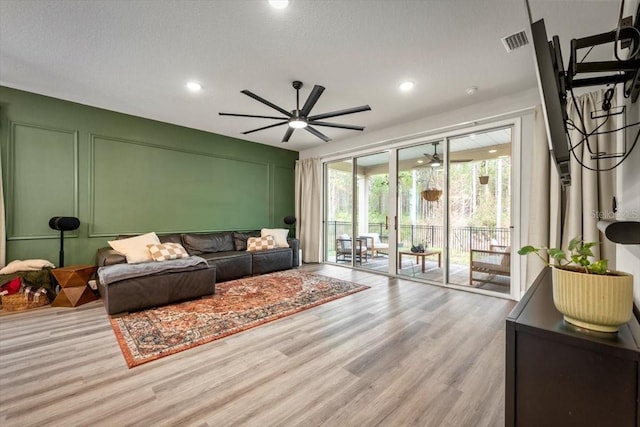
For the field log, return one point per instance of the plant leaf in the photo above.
(586, 251)
(557, 254)
(527, 250)
(575, 243)
(599, 267)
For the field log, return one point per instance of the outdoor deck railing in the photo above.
(463, 239)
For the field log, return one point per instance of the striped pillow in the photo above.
(167, 251)
(260, 243)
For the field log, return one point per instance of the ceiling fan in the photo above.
(435, 161)
(300, 118)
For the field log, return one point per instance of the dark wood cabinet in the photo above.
(558, 375)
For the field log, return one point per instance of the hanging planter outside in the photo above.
(431, 194)
(484, 179)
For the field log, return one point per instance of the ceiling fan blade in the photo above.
(460, 161)
(265, 102)
(266, 127)
(336, 125)
(288, 134)
(320, 135)
(340, 112)
(251, 115)
(311, 100)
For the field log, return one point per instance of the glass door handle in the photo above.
(386, 222)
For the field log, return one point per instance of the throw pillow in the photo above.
(135, 248)
(240, 239)
(26, 265)
(260, 243)
(11, 287)
(167, 251)
(279, 234)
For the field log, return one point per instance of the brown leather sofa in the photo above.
(227, 258)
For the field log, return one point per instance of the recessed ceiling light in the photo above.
(420, 161)
(472, 90)
(279, 4)
(194, 86)
(406, 86)
(493, 151)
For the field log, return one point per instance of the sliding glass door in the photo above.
(421, 201)
(480, 210)
(437, 210)
(372, 210)
(338, 207)
(356, 212)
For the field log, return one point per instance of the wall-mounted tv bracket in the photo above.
(625, 71)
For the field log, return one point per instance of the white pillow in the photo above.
(279, 235)
(26, 265)
(135, 248)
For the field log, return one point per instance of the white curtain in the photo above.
(591, 192)
(544, 219)
(3, 233)
(309, 208)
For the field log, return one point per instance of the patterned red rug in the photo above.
(237, 305)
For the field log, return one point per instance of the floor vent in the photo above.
(515, 41)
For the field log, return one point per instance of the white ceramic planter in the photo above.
(593, 301)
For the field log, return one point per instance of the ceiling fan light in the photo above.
(297, 123)
(434, 164)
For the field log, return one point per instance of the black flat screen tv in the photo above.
(550, 72)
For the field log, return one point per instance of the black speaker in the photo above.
(63, 223)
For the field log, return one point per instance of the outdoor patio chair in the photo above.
(493, 262)
(375, 245)
(343, 249)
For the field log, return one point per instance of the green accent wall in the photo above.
(121, 174)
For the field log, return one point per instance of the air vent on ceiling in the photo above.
(515, 41)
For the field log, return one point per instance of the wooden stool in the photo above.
(73, 281)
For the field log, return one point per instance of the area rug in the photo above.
(237, 305)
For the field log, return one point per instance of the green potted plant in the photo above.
(585, 291)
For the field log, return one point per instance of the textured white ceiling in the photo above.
(135, 56)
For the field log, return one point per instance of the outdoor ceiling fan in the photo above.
(434, 159)
(300, 118)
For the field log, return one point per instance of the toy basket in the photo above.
(25, 300)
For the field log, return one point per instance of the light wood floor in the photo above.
(399, 354)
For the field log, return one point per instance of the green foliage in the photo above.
(579, 254)
(470, 203)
